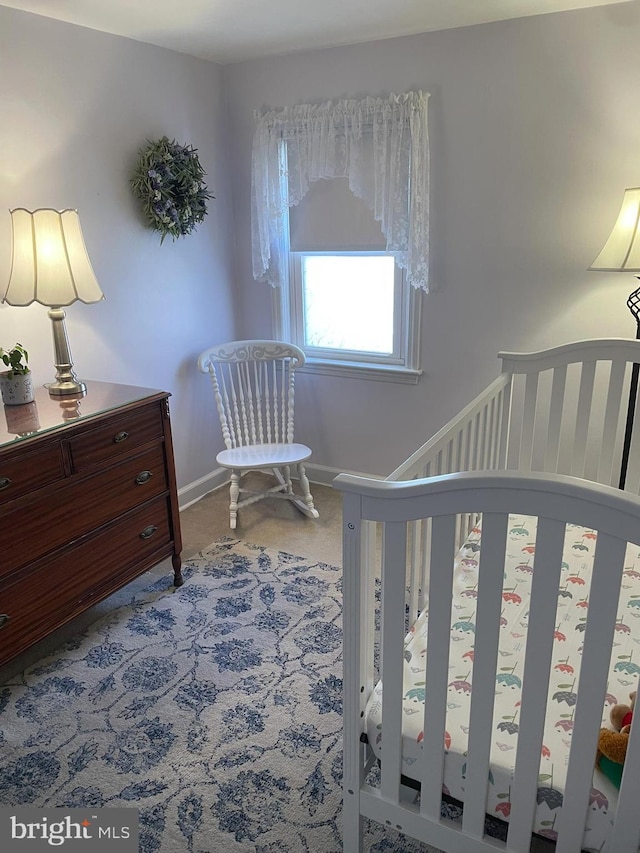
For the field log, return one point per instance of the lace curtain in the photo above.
(380, 144)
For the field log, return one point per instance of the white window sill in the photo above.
(362, 370)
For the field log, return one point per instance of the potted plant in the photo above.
(15, 383)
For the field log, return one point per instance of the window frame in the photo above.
(288, 321)
(403, 365)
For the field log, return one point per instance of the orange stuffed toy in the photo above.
(612, 745)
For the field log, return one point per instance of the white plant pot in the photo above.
(17, 390)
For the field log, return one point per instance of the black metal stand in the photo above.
(633, 303)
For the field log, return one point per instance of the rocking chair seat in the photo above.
(256, 456)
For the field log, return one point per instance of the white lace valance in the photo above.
(380, 144)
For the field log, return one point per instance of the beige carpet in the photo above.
(273, 524)
(270, 523)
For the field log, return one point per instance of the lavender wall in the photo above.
(76, 105)
(535, 134)
(534, 137)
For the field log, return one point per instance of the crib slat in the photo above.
(418, 575)
(495, 433)
(483, 442)
(448, 457)
(426, 551)
(583, 417)
(495, 439)
(457, 450)
(626, 829)
(490, 572)
(494, 458)
(508, 452)
(528, 421)
(535, 680)
(475, 453)
(491, 433)
(353, 634)
(612, 414)
(414, 558)
(467, 443)
(437, 665)
(555, 419)
(632, 481)
(368, 574)
(355, 664)
(392, 606)
(594, 669)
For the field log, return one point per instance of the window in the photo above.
(378, 150)
(353, 312)
(347, 304)
(345, 301)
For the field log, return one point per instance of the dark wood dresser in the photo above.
(88, 502)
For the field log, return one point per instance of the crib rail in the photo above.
(562, 410)
(569, 410)
(395, 506)
(474, 440)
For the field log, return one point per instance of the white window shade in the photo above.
(380, 146)
(331, 219)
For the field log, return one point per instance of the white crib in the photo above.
(543, 442)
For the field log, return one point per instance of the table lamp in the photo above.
(621, 253)
(50, 265)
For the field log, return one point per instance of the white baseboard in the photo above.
(192, 492)
(325, 475)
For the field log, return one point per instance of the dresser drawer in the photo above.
(80, 507)
(116, 438)
(26, 470)
(38, 600)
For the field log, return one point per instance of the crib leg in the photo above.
(352, 824)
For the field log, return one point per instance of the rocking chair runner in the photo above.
(253, 384)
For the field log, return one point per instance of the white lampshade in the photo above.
(50, 264)
(621, 252)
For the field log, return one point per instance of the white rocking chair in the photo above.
(253, 384)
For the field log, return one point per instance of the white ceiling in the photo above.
(234, 30)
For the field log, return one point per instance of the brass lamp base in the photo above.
(66, 381)
(62, 389)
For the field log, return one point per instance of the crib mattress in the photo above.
(572, 607)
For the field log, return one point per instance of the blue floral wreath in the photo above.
(168, 181)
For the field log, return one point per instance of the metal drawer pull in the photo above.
(120, 436)
(143, 477)
(4, 618)
(5, 482)
(148, 531)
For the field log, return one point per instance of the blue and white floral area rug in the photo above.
(214, 708)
